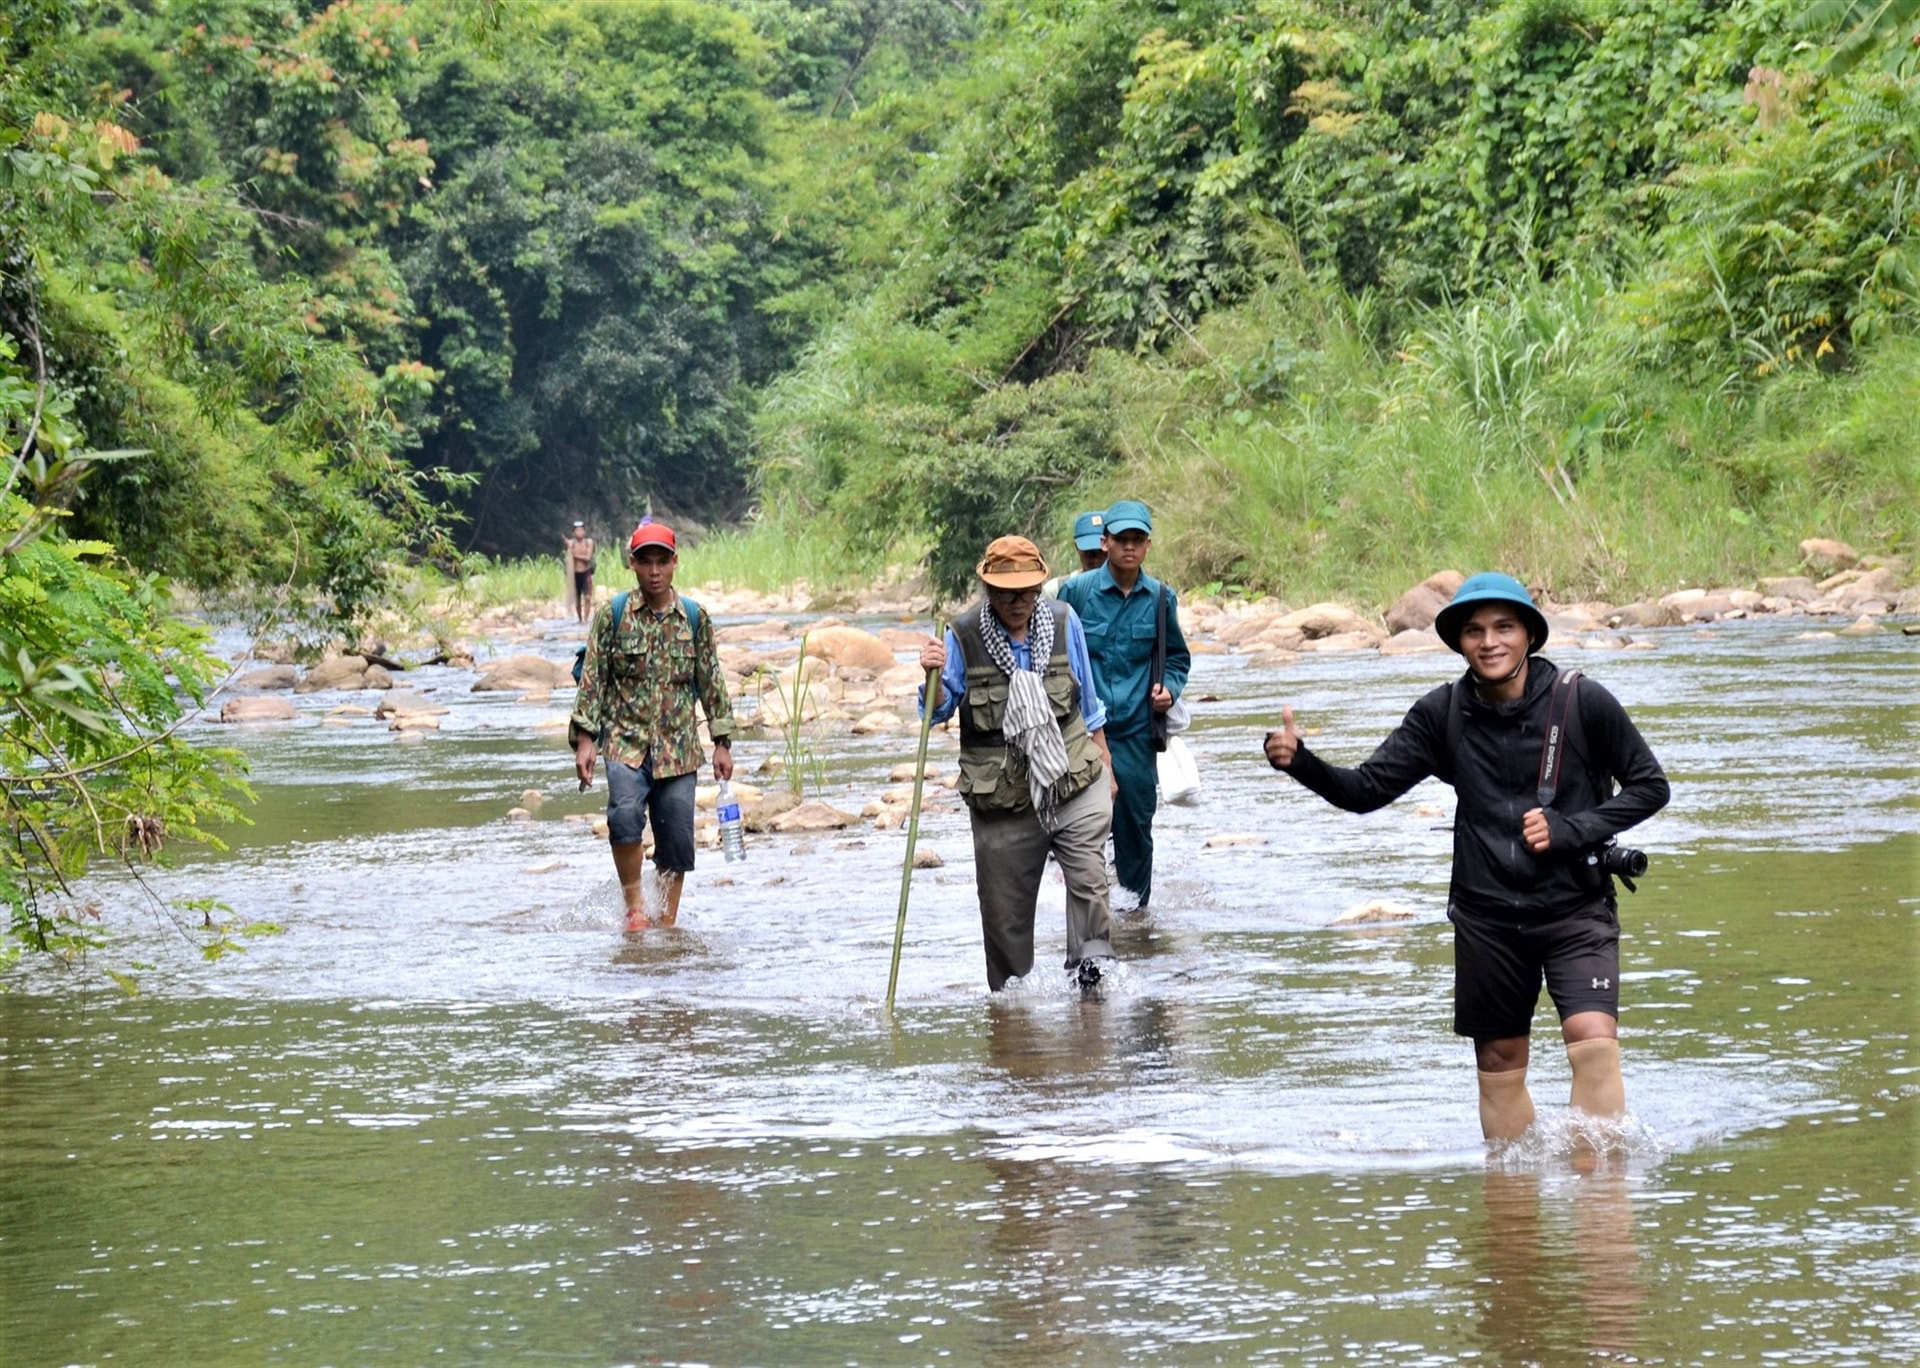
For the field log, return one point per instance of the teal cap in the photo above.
(1087, 529)
(1490, 587)
(1129, 515)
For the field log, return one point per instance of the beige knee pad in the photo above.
(1505, 1108)
(1597, 1087)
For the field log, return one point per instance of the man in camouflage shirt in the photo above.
(637, 693)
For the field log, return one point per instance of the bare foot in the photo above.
(638, 920)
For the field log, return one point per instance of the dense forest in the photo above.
(1614, 294)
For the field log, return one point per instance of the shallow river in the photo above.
(452, 1114)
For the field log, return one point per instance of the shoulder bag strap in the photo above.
(1553, 751)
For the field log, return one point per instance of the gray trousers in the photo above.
(1010, 856)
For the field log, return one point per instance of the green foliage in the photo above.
(591, 263)
(1004, 469)
(93, 674)
(1795, 242)
(1886, 30)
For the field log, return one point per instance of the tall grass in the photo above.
(1523, 432)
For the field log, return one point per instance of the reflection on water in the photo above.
(1560, 1269)
(454, 1111)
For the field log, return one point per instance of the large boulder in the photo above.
(850, 646)
(1342, 641)
(272, 677)
(521, 673)
(342, 672)
(813, 816)
(1646, 615)
(760, 816)
(1328, 619)
(1871, 592)
(1244, 627)
(407, 701)
(1797, 588)
(1825, 554)
(1412, 641)
(257, 709)
(769, 629)
(1421, 604)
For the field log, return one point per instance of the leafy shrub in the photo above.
(1795, 242)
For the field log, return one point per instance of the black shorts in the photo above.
(1498, 967)
(582, 582)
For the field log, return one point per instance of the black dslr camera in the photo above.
(1623, 862)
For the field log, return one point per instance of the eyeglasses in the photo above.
(1011, 596)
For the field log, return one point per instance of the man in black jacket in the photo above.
(1530, 900)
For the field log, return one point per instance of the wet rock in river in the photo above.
(1646, 615)
(878, 722)
(341, 672)
(813, 816)
(1412, 641)
(273, 709)
(521, 673)
(1342, 641)
(760, 816)
(273, 677)
(1373, 913)
(1419, 606)
(850, 646)
(1328, 620)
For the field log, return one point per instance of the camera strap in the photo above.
(1552, 753)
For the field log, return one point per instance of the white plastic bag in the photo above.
(1179, 774)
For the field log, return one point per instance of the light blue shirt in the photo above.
(953, 679)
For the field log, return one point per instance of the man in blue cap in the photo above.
(1087, 544)
(1089, 539)
(1533, 755)
(1125, 610)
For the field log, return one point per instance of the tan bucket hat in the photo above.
(1013, 563)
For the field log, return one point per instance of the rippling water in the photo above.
(453, 1113)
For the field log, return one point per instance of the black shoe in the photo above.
(1089, 973)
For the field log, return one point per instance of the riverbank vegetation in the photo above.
(304, 304)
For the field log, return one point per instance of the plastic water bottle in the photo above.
(733, 838)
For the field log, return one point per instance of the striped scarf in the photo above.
(1033, 735)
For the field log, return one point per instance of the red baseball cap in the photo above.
(651, 534)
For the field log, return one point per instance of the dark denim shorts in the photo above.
(633, 794)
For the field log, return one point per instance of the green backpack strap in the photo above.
(692, 610)
(619, 611)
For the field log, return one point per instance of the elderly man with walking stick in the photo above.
(1034, 769)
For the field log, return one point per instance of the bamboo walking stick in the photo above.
(913, 828)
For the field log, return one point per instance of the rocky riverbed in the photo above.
(859, 676)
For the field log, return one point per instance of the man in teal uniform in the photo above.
(1119, 606)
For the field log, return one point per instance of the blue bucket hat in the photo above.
(1129, 515)
(1087, 529)
(1479, 590)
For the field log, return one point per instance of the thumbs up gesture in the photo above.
(1284, 744)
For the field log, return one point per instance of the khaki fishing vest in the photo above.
(987, 781)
